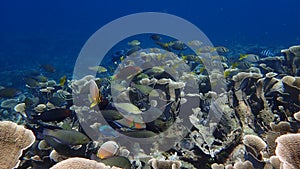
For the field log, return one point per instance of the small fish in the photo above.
(8, 92)
(48, 68)
(111, 115)
(98, 69)
(133, 50)
(54, 115)
(267, 52)
(108, 131)
(134, 43)
(31, 82)
(222, 49)
(127, 72)
(63, 80)
(155, 37)
(57, 101)
(249, 58)
(241, 65)
(128, 108)
(95, 96)
(117, 161)
(178, 45)
(140, 134)
(165, 46)
(67, 137)
(40, 78)
(205, 49)
(129, 123)
(195, 43)
(64, 149)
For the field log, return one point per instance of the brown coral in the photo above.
(274, 160)
(13, 139)
(282, 127)
(243, 165)
(80, 163)
(297, 116)
(255, 143)
(288, 150)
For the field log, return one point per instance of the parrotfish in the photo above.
(54, 115)
(67, 137)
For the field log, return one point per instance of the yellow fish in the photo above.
(99, 69)
(134, 43)
(63, 80)
(95, 96)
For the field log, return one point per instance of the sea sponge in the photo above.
(243, 165)
(13, 139)
(288, 150)
(80, 163)
(164, 164)
(255, 143)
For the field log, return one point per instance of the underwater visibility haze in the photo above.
(150, 84)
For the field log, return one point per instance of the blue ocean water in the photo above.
(37, 32)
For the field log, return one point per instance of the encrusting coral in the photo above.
(288, 150)
(81, 163)
(13, 139)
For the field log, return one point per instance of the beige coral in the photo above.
(164, 164)
(288, 150)
(255, 143)
(243, 165)
(13, 139)
(81, 163)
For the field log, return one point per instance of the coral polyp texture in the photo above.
(288, 150)
(13, 140)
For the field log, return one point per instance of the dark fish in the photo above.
(155, 37)
(222, 49)
(178, 45)
(267, 52)
(165, 46)
(111, 115)
(140, 134)
(54, 115)
(118, 161)
(31, 82)
(67, 137)
(8, 92)
(133, 50)
(41, 78)
(57, 101)
(64, 149)
(49, 68)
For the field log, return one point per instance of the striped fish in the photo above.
(267, 52)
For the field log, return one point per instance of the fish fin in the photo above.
(242, 56)
(93, 104)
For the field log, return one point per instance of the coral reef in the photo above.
(80, 163)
